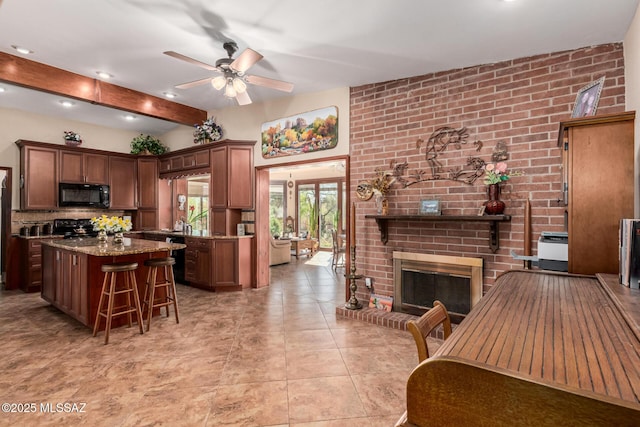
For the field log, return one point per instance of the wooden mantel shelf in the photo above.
(493, 220)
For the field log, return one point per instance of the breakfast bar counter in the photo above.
(72, 276)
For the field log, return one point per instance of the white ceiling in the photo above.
(315, 45)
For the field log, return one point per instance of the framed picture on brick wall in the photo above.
(587, 100)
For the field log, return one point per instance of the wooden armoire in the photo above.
(598, 181)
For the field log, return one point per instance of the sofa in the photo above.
(279, 251)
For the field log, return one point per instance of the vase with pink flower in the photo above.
(495, 174)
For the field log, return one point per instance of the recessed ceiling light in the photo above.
(22, 50)
(2, 89)
(104, 74)
(169, 95)
(129, 117)
(66, 103)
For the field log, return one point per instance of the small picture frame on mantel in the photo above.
(429, 207)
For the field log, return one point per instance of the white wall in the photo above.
(632, 92)
(245, 122)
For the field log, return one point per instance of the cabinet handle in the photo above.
(74, 260)
(21, 181)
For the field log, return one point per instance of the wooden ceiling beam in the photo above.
(42, 77)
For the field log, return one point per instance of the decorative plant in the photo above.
(114, 224)
(148, 143)
(381, 184)
(495, 173)
(193, 216)
(70, 135)
(208, 130)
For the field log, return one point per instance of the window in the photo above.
(198, 202)
(277, 207)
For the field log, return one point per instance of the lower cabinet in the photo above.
(30, 277)
(197, 262)
(65, 285)
(219, 264)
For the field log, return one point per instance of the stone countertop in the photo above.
(195, 234)
(90, 246)
(40, 237)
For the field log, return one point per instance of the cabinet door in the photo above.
(147, 219)
(71, 169)
(84, 167)
(240, 177)
(48, 290)
(203, 266)
(148, 183)
(165, 165)
(76, 288)
(96, 168)
(123, 174)
(225, 263)
(218, 191)
(39, 178)
(600, 159)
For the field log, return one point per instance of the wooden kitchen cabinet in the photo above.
(197, 262)
(147, 215)
(81, 167)
(598, 181)
(122, 182)
(196, 157)
(65, 285)
(232, 175)
(31, 265)
(38, 175)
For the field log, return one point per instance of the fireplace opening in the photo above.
(421, 289)
(420, 279)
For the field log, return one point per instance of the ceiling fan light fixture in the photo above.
(239, 85)
(229, 91)
(218, 82)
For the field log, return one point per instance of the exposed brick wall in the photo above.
(519, 102)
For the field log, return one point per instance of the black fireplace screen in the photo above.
(420, 289)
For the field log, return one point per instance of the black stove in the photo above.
(73, 228)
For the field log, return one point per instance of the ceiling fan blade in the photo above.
(243, 98)
(270, 83)
(194, 83)
(190, 60)
(247, 58)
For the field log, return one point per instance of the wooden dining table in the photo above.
(538, 349)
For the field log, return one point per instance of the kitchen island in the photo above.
(72, 276)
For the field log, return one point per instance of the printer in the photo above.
(553, 250)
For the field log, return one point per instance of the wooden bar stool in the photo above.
(110, 290)
(169, 298)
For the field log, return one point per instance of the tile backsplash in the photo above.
(29, 218)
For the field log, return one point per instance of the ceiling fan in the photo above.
(232, 73)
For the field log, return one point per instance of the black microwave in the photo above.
(83, 195)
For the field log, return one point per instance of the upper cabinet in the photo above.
(232, 175)
(122, 182)
(188, 160)
(38, 176)
(80, 167)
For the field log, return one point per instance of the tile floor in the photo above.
(276, 356)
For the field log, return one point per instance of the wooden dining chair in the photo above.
(421, 328)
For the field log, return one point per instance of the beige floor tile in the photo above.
(260, 357)
(255, 404)
(317, 399)
(315, 363)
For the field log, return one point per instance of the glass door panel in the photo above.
(329, 213)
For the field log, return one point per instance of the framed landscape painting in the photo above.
(300, 134)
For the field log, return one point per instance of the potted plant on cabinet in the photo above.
(147, 144)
